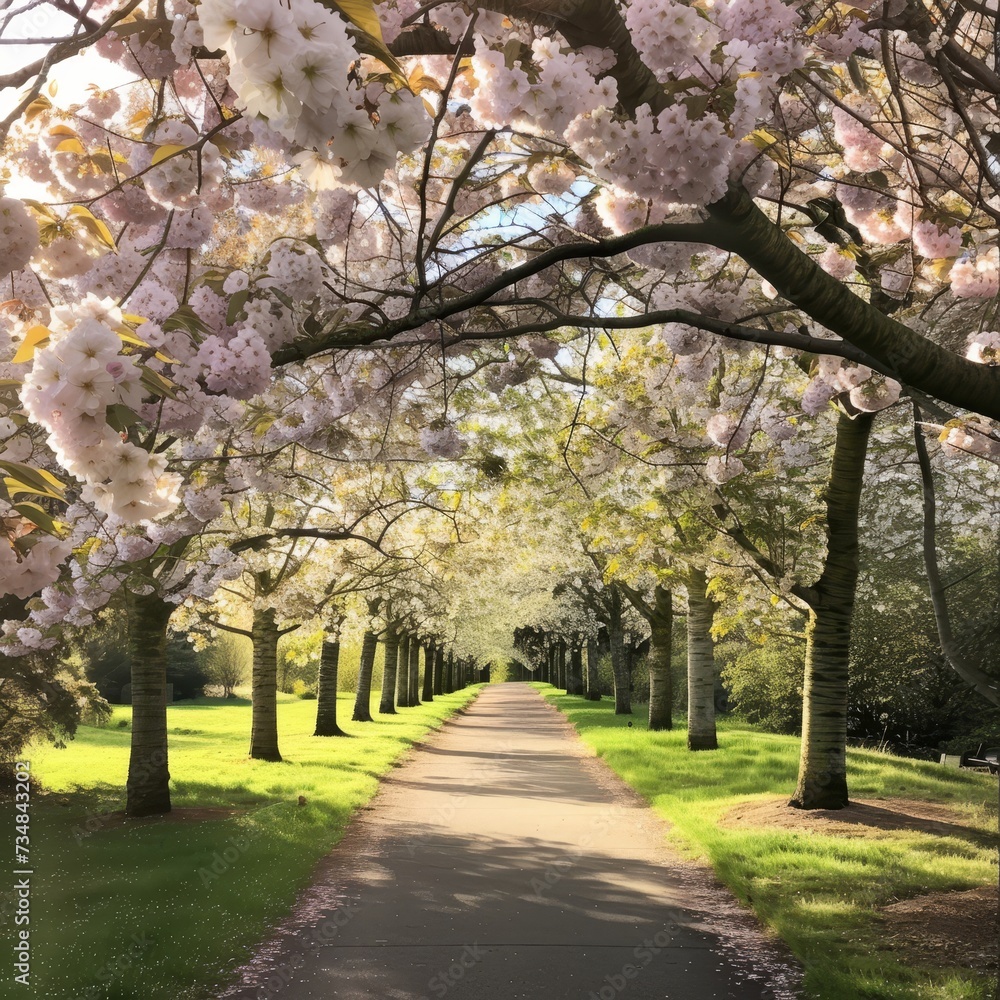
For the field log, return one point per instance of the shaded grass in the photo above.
(166, 909)
(820, 894)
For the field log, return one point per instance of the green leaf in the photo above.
(185, 318)
(120, 417)
(38, 516)
(236, 304)
(157, 384)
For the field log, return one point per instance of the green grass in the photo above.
(819, 893)
(135, 909)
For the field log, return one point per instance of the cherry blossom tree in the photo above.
(817, 179)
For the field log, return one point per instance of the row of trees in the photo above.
(304, 295)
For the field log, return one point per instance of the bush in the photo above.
(226, 662)
(765, 682)
(108, 665)
(303, 690)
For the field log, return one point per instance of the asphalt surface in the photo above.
(502, 861)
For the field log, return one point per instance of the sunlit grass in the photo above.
(819, 893)
(137, 909)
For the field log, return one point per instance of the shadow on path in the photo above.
(503, 861)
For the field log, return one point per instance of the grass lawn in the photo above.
(821, 894)
(164, 910)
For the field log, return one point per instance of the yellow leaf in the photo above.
(419, 80)
(63, 130)
(363, 14)
(93, 225)
(129, 337)
(71, 146)
(164, 151)
(761, 138)
(37, 336)
(849, 10)
(36, 107)
(43, 210)
(941, 267)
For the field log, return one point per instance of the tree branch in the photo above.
(961, 664)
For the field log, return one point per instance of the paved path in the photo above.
(504, 861)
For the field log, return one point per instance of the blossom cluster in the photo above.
(74, 380)
(290, 65)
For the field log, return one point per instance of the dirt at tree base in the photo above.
(873, 818)
(942, 927)
(939, 929)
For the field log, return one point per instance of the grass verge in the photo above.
(165, 909)
(820, 894)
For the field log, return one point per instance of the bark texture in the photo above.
(574, 677)
(619, 661)
(701, 664)
(264, 728)
(661, 691)
(363, 697)
(439, 670)
(593, 683)
(403, 673)
(147, 789)
(414, 671)
(387, 703)
(326, 696)
(822, 782)
(429, 653)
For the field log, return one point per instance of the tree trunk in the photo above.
(387, 704)
(414, 671)
(429, 651)
(619, 662)
(326, 696)
(701, 664)
(574, 677)
(593, 681)
(403, 673)
(822, 780)
(147, 790)
(439, 670)
(561, 662)
(363, 697)
(661, 692)
(264, 727)
(449, 674)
